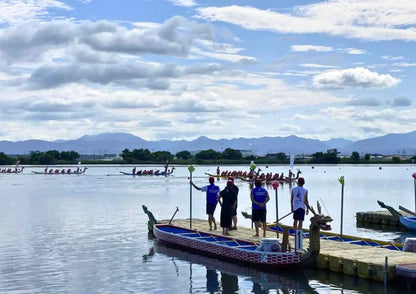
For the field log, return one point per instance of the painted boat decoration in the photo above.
(266, 254)
(61, 172)
(236, 250)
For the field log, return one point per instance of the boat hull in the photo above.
(235, 250)
(409, 222)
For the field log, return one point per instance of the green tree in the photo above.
(355, 156)
(47, 158)
(208, 154)
(69, 155)
(230, 153)
(281, 156)
(4, 159)
(395, 159)
(367, 157)
(185, 155)
(161, 156)
(141, 154)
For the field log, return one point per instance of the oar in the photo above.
(177, 209)
(284, 216)
(275, 186)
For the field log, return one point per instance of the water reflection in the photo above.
(226, 277)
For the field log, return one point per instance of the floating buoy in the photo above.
(380, 167)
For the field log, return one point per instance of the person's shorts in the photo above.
(299, 214)
(211, 208)
(259, 215)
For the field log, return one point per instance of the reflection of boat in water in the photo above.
(230, 272)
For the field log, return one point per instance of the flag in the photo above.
(292, 161)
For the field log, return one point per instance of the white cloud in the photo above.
(186, 3)
(15, 11)
(359, 19)
(306, 48)
(314, 65)
(354, 77)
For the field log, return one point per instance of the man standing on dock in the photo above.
(212, 193)
(235, 190)
(228, 201)
(259, 198)
(298, 202)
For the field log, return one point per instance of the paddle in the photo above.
(177, 209)
(275, 185)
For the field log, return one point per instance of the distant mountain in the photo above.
(389, 144)
(117, 142)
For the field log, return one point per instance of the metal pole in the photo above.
(386, 271)
(342, 182)
(277, 215)
(191, 170)
(414, 175)
(190, 201)
(342, 207)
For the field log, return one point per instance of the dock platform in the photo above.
(382, 217)
(362, 261)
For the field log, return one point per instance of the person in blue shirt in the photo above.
(259, 198)
(212, 192)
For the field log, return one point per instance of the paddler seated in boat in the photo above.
(212, 192)
(133, 171)
(298, 202)
(68, 171)
(46, 170)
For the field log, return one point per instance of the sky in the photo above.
(180, 69)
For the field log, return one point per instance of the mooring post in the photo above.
(342, 181)
(191, 170)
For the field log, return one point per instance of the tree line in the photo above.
(209, 156)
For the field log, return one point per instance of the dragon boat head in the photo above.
(321, 220)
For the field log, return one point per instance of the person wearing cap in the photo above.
(235, 189)
(212, 192)
(259, 197)
(298, 202)
(228, 201)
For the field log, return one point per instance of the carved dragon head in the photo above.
(320, 220)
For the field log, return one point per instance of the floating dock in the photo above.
(372, 263)
(382, 217)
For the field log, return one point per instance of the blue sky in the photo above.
(180, 69)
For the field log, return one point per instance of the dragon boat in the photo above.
(147, 174)
(269, 253)
(61, 172)
(407, 221)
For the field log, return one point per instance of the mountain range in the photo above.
(115, 143)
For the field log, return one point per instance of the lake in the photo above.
(88, 233)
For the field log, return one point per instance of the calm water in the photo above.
(88, 233)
